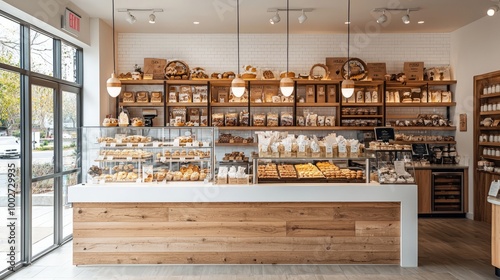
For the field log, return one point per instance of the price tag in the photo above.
(189, 144)
(129, 145)
(109, 157)
(196, 143)
(176, 143)
(129, 158)
(102, 144)
(141, 145)
(119, 141)
(101, 157)
(197, 158)
(163, 159)
(206, 144)
(156, 144)
(112, 145)
(182, 159)
(399, 167)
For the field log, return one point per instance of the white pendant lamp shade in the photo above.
(114, 85)
(347, 88)
(286, 86)
(238, 87)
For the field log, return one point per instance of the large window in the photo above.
(39, 140)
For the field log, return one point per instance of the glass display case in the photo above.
(392, 166)
(144, 154)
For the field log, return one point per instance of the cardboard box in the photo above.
(334, 64)
(332, 94)
(414, 71)
(376, 71)
(155, 66)
(310, 94)
(320, 94)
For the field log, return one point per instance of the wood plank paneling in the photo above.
(423, 178)
(250, 214)
(378, 228)
(319, 228)
(495, 236)
(351, 257)
(122, 229)
(177, 233)
(235, 244)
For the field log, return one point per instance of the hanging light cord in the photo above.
(113, 27)
(348, 37)
(238, 33)
(287, 34)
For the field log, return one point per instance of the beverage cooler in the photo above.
(447, 191)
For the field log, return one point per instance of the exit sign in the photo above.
(71, 22)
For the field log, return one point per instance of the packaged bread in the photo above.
(179, 116)
(196, 97)
(194, 116)
(259, 119)
(172, 96)
(301, 121)
(436, 96)
(330, 121)
(368, 97)
(286, 119)
(321, 120)
(272, 119)
(312, 120)
(231, 119)
(360, 96)
(203, 117)
(217, 119)
(375, 98)
(185, 94)
(446, 96)
(142, 97)
(156, 96)
(244, 118)
(128, 97)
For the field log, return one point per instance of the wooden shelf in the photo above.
(294, 128)
(490, 157)
(362, 116)
(485, 96)
(492, 144)
(148, 104)
(290, 104)
(230, 104)
(235, 144)
(426, 142)
(489, 113)
(318, 104)
(142, 82)
(187, 104)
(431, 104)
(187, 82)
(441, 83)
(361, 104)
(489, 128)
(447, 128)
(303, 82)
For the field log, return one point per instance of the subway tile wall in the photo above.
(218, 52)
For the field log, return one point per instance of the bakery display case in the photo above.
(144, 155)
(394, 166)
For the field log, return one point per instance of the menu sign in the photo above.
(420, 149)
(384, 134)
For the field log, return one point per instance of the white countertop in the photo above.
(325, 192)
(494, 200)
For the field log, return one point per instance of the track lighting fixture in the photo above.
(302, 17)
(491, 11)
(406, 18)
(275, 19)
(382, 18)
(131, 19)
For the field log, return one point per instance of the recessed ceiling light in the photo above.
(196, 22)
(421, 22)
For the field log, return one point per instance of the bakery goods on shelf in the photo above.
(308, 170)
(268, 75)
(267, 171)
(250, 72)
(110, 122)
(285, 74)
(287, 171)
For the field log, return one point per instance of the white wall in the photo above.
(218, 52)
(474, 51)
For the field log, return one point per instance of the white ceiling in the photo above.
(328, 16)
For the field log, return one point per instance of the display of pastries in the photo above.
(287, 171)
(308, 170)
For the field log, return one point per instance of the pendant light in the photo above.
(113, 84)
(348, 85)
(238, 85)
(286, 83)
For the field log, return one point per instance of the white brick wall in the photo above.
(218, 52)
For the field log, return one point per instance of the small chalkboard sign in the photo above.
(420, 149)
(384, 134)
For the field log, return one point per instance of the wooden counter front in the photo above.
(273, 224)
(236, 233)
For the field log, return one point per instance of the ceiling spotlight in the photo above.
(406, 18)
(302, 17)
(491, 11)
(131, 19)
(275, 19)
(382, 18)
(152, 18)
